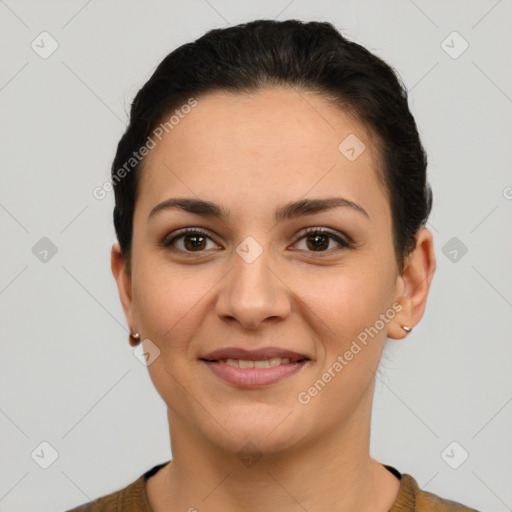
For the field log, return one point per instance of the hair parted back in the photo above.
(308, 56)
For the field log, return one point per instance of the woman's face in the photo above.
(253, 280)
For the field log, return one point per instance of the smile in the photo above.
(245, 373)
(263, 363)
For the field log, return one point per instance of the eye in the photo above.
(318, 239)
(194, 240)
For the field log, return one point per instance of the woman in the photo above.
(271, 199)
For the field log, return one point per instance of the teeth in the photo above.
(244, 363)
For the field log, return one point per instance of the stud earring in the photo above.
(406, 328)
(134, 339)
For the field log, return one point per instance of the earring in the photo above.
(406, 328)
(134, 339)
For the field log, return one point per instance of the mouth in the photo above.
(273, 355)
(259, 363)
(254, 369)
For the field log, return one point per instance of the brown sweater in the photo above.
(411, 498)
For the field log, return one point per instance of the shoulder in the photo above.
(132, 498)
(126, 499)
(414, 499)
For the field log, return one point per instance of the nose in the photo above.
(253, 293)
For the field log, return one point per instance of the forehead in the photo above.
(260, 146)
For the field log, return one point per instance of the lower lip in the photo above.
(254, 377)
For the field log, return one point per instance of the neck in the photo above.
(333, 471)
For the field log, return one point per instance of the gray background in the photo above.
(67, 374)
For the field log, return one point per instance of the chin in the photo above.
(259, 434)
(255, 444)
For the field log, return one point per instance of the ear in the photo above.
(122, 276)
(414, 284)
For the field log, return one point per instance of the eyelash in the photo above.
(345, 244)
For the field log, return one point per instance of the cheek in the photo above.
(348, 298)
(351, 306)
(166, 301)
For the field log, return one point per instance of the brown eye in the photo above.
(318, 240)
(193, 240)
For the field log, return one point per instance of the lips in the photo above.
(254, 355)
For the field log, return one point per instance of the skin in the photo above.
(251, 153)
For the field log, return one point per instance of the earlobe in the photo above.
(415, 283)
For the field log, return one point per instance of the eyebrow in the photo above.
(286, 212)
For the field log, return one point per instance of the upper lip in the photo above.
(253, 355)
